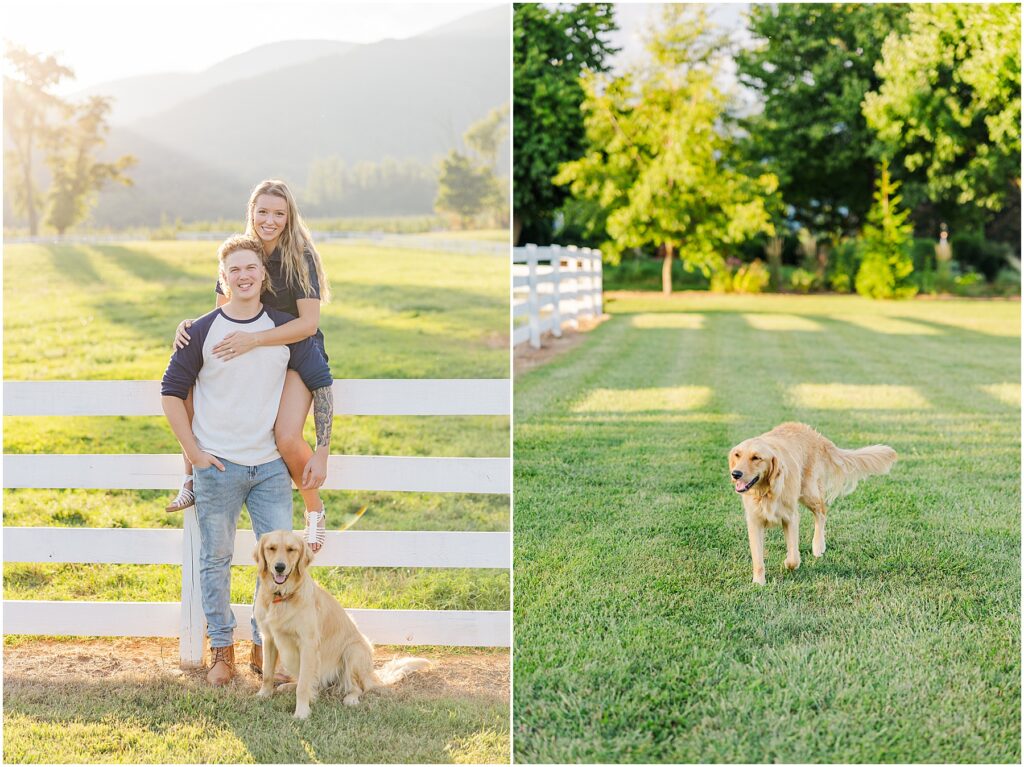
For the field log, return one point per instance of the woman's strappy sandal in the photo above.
(316, 528)
(185, 498)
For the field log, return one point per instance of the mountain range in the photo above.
(203, 140)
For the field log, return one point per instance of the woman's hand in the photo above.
(315, 473)
(234, 345)
(181, 338)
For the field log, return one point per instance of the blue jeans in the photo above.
(266, 490)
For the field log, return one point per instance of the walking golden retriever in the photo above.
(304, 626)
(793, 463)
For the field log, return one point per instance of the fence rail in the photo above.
(181, 546)
(554, 287)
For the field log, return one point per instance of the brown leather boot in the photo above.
(222, 665)
(256, 664)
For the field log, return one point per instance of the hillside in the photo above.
(201, 152)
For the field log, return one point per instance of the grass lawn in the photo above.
(109, 312)
(639, 636)
(135, 706)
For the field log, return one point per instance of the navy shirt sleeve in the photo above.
(305, 357)
(186, 362)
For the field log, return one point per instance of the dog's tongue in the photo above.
(280, 578)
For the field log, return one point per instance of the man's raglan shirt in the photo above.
(236, 401)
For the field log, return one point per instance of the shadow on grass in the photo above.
(178, 718)
(73, 262)
(149, 268)
(870, 370)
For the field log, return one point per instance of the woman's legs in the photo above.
(186, 496)
(291, 417)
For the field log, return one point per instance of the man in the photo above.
(230, 440)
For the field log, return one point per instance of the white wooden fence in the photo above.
(553, 287)
(352, 548)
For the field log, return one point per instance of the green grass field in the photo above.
(109, 312)
(638, 634)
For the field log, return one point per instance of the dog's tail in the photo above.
(396, 670)
(855, 465)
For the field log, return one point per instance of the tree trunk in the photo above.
(30, 192)
(517, 228)
(666, 270)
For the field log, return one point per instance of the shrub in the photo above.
(886, 265)
(843, 265)
(970, 284)
(752, 277)
(973, 251)
(1007, 282)
(802, 280)
(721, 280)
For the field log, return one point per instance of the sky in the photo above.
(103, 40)
(633, 18)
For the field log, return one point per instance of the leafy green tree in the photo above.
(76, 173)
(811, 65)
(30, 108)
(552, 47)
(486, 136)
(948, 107)
(465, 188)
(886, 263)
(659, 161)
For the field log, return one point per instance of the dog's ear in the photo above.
(774, 471)
(305, 557)
(261, 561)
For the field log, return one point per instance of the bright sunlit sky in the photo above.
(103, 40)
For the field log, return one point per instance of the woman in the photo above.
(298, 284)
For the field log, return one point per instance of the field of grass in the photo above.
(638, 634)
(150, 712)
(109, 312)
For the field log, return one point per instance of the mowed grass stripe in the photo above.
(638, 634)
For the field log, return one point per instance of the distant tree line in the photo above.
(878, 125)
(390, 187)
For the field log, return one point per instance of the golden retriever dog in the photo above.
(312, 635)
(793, 463)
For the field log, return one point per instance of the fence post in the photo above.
(193, 620)
(599, 282)
(534, 315)
(572, 265)
(587, 283)
(556, 275)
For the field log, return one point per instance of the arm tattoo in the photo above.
(323, 415)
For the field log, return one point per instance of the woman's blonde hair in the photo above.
(294, 242)
(233, 244)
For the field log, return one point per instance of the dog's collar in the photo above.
(278, 598)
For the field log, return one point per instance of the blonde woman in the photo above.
(298, 285)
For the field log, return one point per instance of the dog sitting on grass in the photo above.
(304, 626)
(794, 464)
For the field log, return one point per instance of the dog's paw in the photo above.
(759, 579)
(265, 692)
(818, 551)
(352, 699)
(792, 564)
(302, 712)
